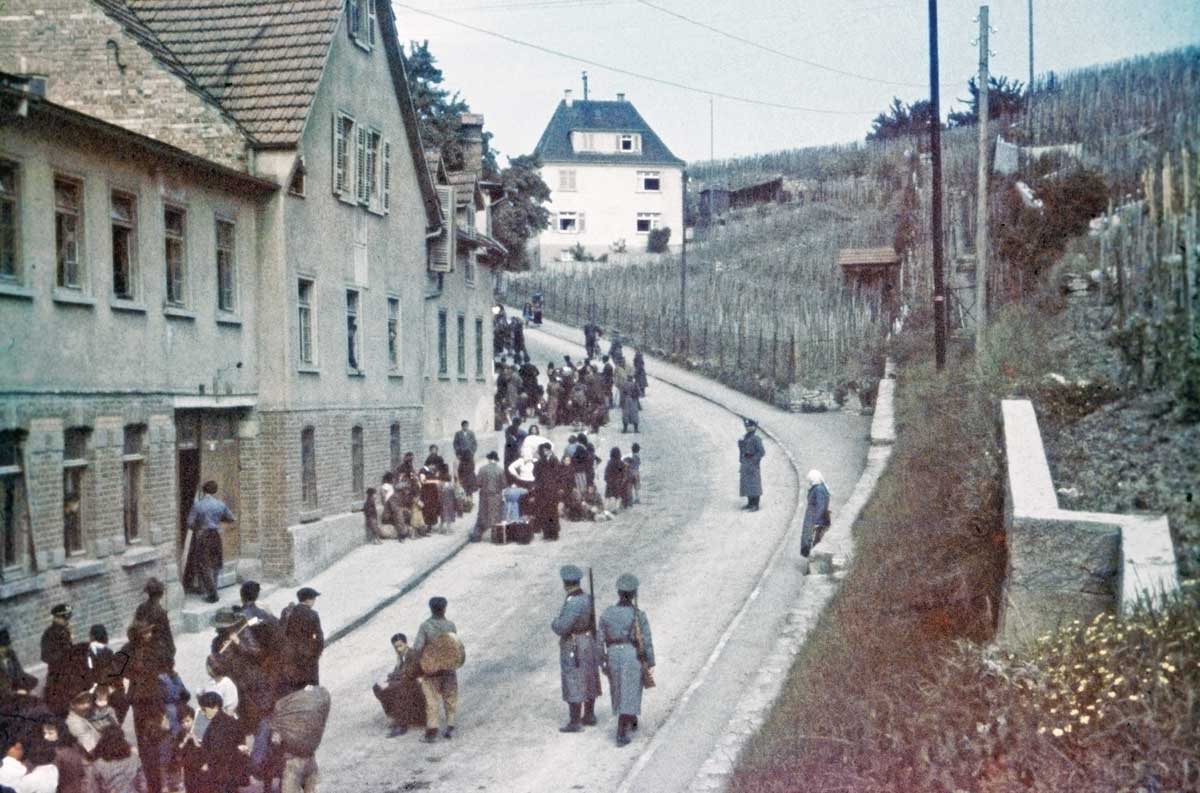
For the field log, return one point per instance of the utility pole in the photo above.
(585, 86)
(711, 135)
(981, 208)
(1029, 85)
(683, 267)
(935, 145)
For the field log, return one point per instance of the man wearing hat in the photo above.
(64, 675)
(440, 688)
(490, 481)
(751, 451)
(13, 677)
(578, 663)
(150, 610)
(625, 634)
(303, 641)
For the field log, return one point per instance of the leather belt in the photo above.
(617, 641)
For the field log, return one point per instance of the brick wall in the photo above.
(279, 443)
(104, 584)
(68, 42)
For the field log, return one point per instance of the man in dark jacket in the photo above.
(222, 762)
(64, 675)
(142, 662)
(578, 656)
(150, 610)
(465, 446)
(513, 436)
(401, 696)
(237, 652)
(303, 641)
(548, 487)
(750, 452)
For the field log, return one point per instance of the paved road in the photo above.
(699, 558)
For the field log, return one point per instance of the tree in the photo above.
(901, 120)
(1005, 99)
(439, 112)
(520, 214)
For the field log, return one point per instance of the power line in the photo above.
(631, 73)
(773, 51)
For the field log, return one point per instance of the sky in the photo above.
(884, 47)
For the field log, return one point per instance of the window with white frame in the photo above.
(175, 250)
(10, 269)
(461, 327)
(443, 354)
(226, 266)
(75, 480)
(362, 22)
(353, 331)
(372, 194)
(647, 221)
(566, 180)
(570, 222)
(629, 143)
(343, 146)
(393, 333)
(308, 468)
(14, 504)
(133, 465)
(123, 213)
(304, 322)
(649, 181)
(68, 232)
(479, 347)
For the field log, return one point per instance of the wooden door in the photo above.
(219, 462)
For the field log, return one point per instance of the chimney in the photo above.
(567, 97)
(620, 97)
(471, 132)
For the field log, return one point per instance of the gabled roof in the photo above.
(261, 61)
(598, 116)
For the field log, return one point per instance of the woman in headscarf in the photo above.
(816, 514)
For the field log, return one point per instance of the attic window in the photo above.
(296, 183)
(629, 143)
(362, 22)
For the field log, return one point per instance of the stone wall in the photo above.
(1062, 564)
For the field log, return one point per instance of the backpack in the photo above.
(443, 653)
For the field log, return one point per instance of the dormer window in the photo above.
(629, 143)
(362, 22)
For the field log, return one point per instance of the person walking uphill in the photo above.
(816, 513)
(751, 452)
(578, 660)
(465, 446)
(441, 654)
(205, 520)
(628, 655)
(303, 641)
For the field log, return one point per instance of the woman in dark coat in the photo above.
(639, 373)
(144, 662)
(431, 504)
(614, 480)
(816, 514)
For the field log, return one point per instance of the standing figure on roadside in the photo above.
(64, 673)
(13, 677)
(491, 501)
(205, 521)
(430, 495)
(151, 610)
(630, 409)
(627, 646)
(608, 377)
(142, 665)
(639, 373)
(441, 654)
(750, 453)
(578, 657)
(465, 446)
(816, 513)
(614, 481)
(548, 475)
(513, 436)
(303, 641)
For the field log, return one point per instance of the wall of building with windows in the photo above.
(601, 206)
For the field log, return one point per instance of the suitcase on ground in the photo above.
(500, 533)
(520, 531)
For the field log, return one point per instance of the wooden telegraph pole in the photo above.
(935, 145)
(981, 209)
(683, 326)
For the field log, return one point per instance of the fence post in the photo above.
(720, 350)
(774, 347)
(791, 356)
(737, 361)
(759, 363)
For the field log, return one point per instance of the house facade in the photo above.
(612, 180)
(212, 266)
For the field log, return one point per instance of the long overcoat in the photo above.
(303, 643)
(491, 503)
(64, 673)
(751, 451)
(624, 666)
(629, 403)
(578, 659)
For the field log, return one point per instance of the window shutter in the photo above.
(387, 176)
(371, 22)
(339, 156)
(441, 249)
(360, 161)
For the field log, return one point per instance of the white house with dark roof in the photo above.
(612, 180)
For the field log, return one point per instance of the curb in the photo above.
(752, 711)
(411, 583)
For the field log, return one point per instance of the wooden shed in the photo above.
(874, 270)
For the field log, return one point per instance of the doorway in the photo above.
(206, 446)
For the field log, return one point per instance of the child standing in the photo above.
(633, 473)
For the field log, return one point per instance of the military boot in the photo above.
(623, 731)
(573, 725)
(589, 713)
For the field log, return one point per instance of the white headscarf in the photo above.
(815, 478)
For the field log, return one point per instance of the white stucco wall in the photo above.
(315, 236)
(88, 340)
(610, 196)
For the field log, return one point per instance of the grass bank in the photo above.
(893, 690)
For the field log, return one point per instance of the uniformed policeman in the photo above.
(578, 659)
(626, 647)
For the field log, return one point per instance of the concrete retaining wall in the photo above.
(1062, 564)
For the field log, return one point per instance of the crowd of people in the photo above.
(261, 712)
